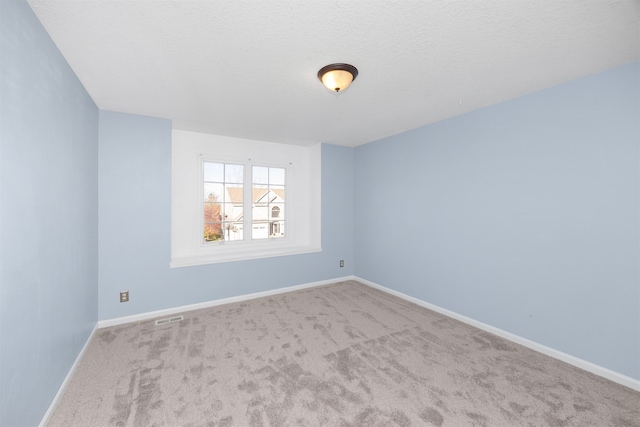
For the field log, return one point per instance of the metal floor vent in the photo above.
(169, 320)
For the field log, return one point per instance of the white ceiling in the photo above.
(249, 68)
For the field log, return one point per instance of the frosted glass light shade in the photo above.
(337, 77)
(337, 80)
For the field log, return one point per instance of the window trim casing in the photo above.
(302, 192)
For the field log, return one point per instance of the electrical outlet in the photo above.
(124, 296)
(341, 263)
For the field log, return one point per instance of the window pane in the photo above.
(234, 194)
(213, 172)
(212, 231)
(260, 175)
(278, 193)
(237, 214)
(212, 212)
(276, 229)
(260, 194)
(260, 212)
(260, 230)
(230, 211)
(276, 210)
(276, 176)
(234, 173)
(239, 226)
(232, 231)
(213, 192)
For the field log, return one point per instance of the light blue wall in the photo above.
(135, 227)
(523, 216)
(48, 217)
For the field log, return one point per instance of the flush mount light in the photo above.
(337, 77)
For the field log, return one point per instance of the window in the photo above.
(224, 200)
(268, 196)
(236, 199)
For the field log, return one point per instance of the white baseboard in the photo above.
(190, 307)
(572, 360)
(63, 386)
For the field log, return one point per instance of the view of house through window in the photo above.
(224, 197)
(223, 201)
(268, 202)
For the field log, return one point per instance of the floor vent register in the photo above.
(169, 320)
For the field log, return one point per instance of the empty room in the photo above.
(319, 213)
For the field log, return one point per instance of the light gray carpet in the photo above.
(336, 355)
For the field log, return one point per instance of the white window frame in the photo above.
(302, 197)
(247, 202)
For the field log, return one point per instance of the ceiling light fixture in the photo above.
(337, 77)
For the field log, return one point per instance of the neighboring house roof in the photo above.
(279, 192)
(235, 194)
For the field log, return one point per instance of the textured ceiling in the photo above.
(248, 68)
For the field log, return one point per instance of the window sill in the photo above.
(245, 255)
